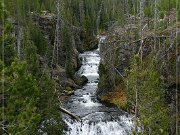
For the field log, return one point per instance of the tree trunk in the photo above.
(136, 109)
(141, 25)
(81, 12)
(155, 22)
(19, 36)
(58, 31)
(69, 113)
(177, 73)
(98, 17)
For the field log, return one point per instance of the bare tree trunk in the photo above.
(81, 11)
(19, 36)
(126, 11)
(136, 108)
(98, 16)
(58, 27)
(177, 75)
(134, 6)
(155, 22)
(141, 26)
(177, 70)
(169, 12)
(66, 111)
(111, 64)
(58, 31)
(113, 9)
(69, 113)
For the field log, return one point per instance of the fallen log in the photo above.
(70, 114)
(67, 112)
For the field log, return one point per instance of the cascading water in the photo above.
(96, 118)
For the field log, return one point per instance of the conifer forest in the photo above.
(89, 67)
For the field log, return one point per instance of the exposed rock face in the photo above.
(78, 38)
(91, 43)
(47, 24)
(80, 43)
(81, 80)
(118, 50)
(45, 21)
(68, 83)
(83, 41)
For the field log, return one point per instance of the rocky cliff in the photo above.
(123, 43)
(80, 43)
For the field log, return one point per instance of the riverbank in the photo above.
(146, 65)
(96, 118)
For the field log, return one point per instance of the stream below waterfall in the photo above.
(96, 118)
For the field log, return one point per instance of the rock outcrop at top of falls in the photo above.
(119, 48)
(80, 40)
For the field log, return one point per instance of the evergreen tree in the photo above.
(153, 114)
(69, 53)
(21, 114)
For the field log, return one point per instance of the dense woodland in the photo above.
(139, 71)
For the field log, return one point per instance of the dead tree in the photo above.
(155, 23)
(141, 26)
(81, 12)
(58, 33)
(18, 35)
(98, 16)
(177, 71)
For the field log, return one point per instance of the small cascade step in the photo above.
(97, 119)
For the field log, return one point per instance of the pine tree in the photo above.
(21, 115)
(152, 112)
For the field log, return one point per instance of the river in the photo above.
(96, 118)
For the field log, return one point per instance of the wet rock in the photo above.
(84, 101)
(80, 80)
(91, 44)
(69, 83)
(68, 91)
(83, 41)
(65, 126)
(96, 81)
(84, 79)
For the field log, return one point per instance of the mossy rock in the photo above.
(68, 91)
(80, 80)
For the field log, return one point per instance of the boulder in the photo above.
(80, 80)
(69, 83)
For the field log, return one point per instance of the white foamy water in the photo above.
(87, 101)
(97, 119)
(120, 127)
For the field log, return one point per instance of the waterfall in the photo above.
(97, 119)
